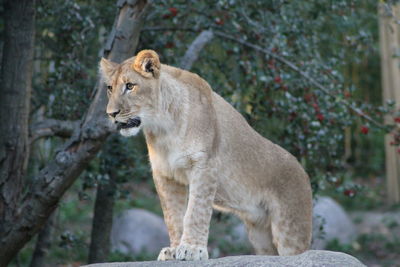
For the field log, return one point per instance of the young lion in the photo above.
(203, 155)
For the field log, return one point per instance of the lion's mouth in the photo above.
(131, 123)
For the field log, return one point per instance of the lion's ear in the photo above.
(107, 68)
(147, 64)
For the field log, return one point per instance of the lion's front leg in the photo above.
(196, 223)
(173, 198)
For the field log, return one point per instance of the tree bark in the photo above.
(15, 90)
(73, 156)
(389, 32)
(53, 127)
(193, 52)
(43, 243)
(102, 221)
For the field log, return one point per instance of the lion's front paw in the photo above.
(166, 254)
(191, 253)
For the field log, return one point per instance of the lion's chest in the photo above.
(170, 162)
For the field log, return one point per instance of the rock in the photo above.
(311, 258)
(335, 222)
(239, 234)
(136, 231)
(386, 224)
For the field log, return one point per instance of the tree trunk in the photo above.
(73, 156)
(102, 221)
(389, 31)
(43, 243)
(15, 90)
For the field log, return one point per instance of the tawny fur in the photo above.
(204, 154)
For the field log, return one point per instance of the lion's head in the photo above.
(132, 90)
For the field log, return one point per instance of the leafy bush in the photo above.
(294, 69)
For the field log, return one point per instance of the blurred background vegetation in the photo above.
(335, 43)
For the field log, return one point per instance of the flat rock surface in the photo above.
(311, 258)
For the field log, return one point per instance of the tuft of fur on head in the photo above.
(147, 63)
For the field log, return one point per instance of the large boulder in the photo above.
(386, 224)
(330, 221)
(311, 258)
(239, 234)
(136, 230)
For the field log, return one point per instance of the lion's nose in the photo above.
(113, 114)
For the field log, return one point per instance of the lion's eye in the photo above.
(109, 89)
(130, 86)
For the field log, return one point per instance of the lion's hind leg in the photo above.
(260, 236)
(291, 230)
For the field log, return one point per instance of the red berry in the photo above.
(349, 192)
(173, 11)
(320, 117)
(308, 97)
(292, 116)
(347, 94)
(219, 21)
(278, 79)
(169, 45)
(316, 107)
(397, 119)
(271, 64)
(364, 129)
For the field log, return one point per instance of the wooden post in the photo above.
(389, 34)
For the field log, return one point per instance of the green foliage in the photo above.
(69, 37)
(143, 256)
(222, 242)
(333, 42)
(119, 257)
(356, 197)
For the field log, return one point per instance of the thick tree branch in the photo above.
(73, 156)
(192, 53)
(53, 127)
(163, 29)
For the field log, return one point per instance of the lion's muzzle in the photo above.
(131, 123)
